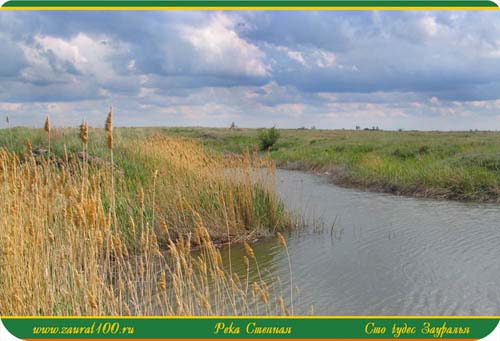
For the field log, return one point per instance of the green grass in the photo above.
(448, 165)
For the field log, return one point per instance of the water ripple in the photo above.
(386, 255)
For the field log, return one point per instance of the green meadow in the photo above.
(446, 165)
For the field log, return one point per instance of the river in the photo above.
(385, 255)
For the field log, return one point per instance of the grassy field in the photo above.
(104, 222)
(445, 165)
(110, 231)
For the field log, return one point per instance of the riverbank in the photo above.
(463, 166)
(178, 177)
(340, 176)
(386, 255)
(104, 222)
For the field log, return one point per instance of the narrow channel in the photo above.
(385, 255)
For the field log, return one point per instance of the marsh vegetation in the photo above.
(104, 222)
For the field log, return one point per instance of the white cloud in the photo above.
(309, 57)
(296, 55)
(429, 25)
(10, 106)
(66, 50)
(83, 61)
(222, 50)
(324, 59)
(90, 55)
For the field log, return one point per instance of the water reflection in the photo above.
(376, 254)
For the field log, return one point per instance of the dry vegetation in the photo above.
(100, 236)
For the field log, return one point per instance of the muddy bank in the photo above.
(341, 176)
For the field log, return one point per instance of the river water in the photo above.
(385, 255)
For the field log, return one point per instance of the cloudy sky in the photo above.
(410, 70)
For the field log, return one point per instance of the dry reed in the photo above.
(78, 261)
(47, 128)
(282, 242)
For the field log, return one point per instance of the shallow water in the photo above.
(386, 255)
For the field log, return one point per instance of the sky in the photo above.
(436, 70)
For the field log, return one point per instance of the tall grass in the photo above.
(63, 252)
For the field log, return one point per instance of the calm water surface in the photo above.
(386, 255)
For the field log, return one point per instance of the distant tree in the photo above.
(233, 125)
(313, 127)
(358, 128)
(268, 138)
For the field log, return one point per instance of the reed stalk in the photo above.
(282, 242)
(47, 128)
(78, 260)
(109, 142)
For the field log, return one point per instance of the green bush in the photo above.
(268, 138)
